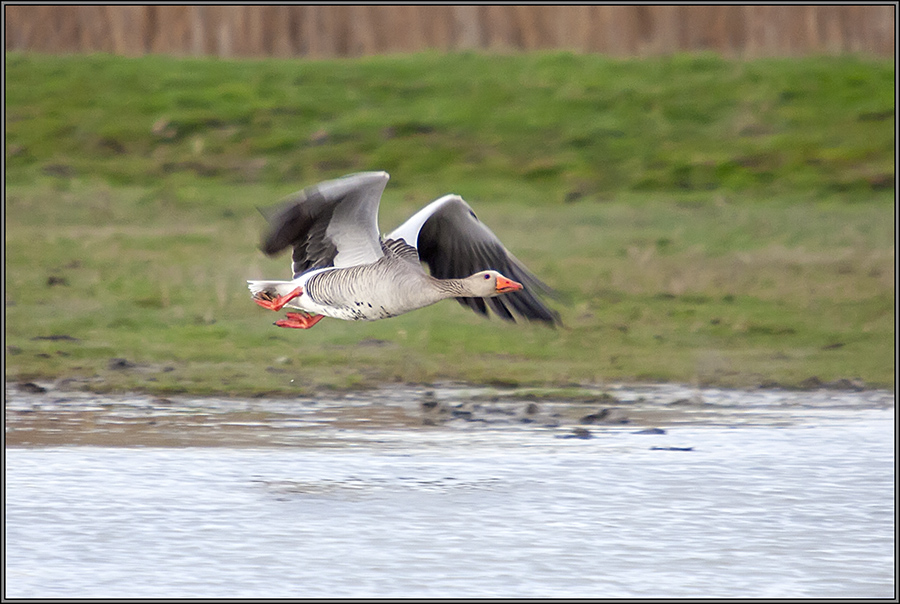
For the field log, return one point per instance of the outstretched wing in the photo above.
(333, 223)
(455, 244)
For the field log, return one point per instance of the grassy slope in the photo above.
(714, 221)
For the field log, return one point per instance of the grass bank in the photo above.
(708, 221)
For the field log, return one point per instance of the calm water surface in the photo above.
(802, 508)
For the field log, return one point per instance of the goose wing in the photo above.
(333, 223)
(455, 244)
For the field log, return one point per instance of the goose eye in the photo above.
(487, 276)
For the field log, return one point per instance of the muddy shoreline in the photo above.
(40, 414)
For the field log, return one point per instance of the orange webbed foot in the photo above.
(278, 302)
(296, 320)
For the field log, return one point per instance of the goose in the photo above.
(342, 268)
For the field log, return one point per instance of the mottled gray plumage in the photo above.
(346, 270)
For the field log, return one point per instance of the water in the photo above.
(800, 505)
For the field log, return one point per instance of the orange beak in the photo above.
(505, 285)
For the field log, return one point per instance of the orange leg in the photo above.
(299, 320)
(278, 302)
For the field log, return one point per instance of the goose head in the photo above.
(486, 284)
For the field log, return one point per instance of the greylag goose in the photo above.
(343, 269)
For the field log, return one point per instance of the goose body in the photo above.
(343, 269)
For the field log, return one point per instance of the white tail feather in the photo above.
(280, 288)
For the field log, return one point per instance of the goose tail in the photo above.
(271, 288)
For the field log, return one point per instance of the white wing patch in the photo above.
(409, 230)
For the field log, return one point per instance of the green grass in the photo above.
(708, 221)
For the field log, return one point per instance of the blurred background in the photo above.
(710, 188)
(342, 31)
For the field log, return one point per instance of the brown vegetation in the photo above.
(330, 31)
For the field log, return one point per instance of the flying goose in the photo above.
(343, 269)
